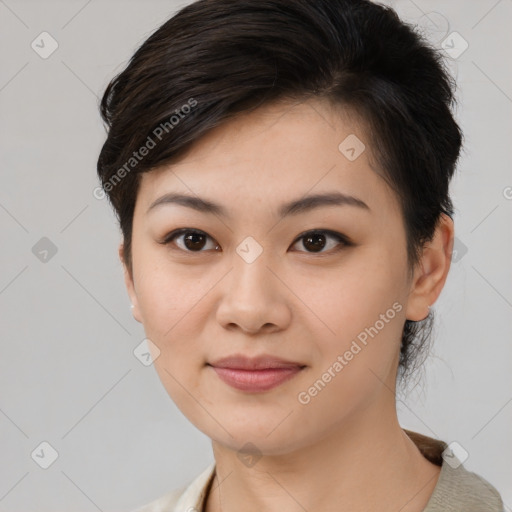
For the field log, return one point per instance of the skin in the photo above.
(344, 450)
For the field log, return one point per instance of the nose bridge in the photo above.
(252, 298)
(250, 274)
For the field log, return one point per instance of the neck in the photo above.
(367, 463)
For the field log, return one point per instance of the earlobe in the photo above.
(130, 286)
(431, 271)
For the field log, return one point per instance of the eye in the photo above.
(317, 240)
(192, 240)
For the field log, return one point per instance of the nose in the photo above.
(253, 299)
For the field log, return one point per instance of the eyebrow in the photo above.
(297, 206)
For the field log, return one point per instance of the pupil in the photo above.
(317, 240)
(194, 244)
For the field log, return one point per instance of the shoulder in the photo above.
(189, 497)
(457, 489)
(461, 490)
(165, 503)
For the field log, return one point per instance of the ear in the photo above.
(431, 271)
(130, 286)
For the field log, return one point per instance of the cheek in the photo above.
(173, 309)
(362, 306)
(353, 297)
(351, 365)
(170, 305)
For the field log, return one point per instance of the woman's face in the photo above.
(253, 281)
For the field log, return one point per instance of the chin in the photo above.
(245, 442)
(267, 435)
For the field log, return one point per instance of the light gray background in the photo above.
(68, 375)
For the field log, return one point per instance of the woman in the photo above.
(280, 171)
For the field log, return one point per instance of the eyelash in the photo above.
(341, 239)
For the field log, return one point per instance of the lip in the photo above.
(255, 374)
(263, 362)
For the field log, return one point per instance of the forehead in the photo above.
(274, 154)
